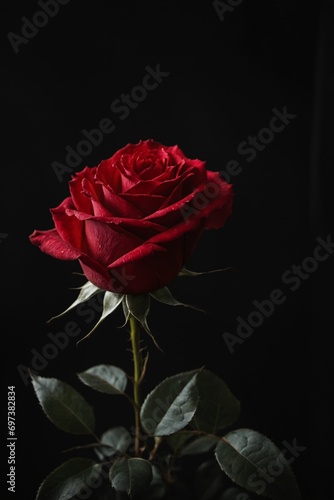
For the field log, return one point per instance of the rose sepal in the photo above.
(136, 305)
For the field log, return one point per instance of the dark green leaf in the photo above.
(131, 475)
(171, 405)
(64, 406)
(117, 439)
(105, 378)
(69, 479)
(217, 407)
(254, 462)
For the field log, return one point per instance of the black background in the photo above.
(225, 77)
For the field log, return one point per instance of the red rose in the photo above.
(134, 220)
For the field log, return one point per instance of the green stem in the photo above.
(137, 371)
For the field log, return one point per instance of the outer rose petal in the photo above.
(175, 233)
(140, 228)
(51, 243)
(105, 245)
(220, 203)
(96, 273)
(148, 268)
(130, 277)
(79, 199)
(69, 228)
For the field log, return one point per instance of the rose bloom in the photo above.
(134, 220)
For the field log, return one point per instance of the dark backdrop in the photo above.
(224, 74)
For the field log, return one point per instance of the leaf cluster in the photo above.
(186, 415)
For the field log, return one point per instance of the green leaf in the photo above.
(217, 407)
(131, 475)
(69, 479)
(64, 406)
(116, 439)
(171, 405)
(201, 444)
(105, 378)
(254, 462)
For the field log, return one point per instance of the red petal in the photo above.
(108, 175)
(69, 227)
(81, 182)
(147, 203)
(219, 207)
(95, 273)
(104, 244)
(141, 251)
(118, 206)
(50, 242)
(171, 215)
(141, 228)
